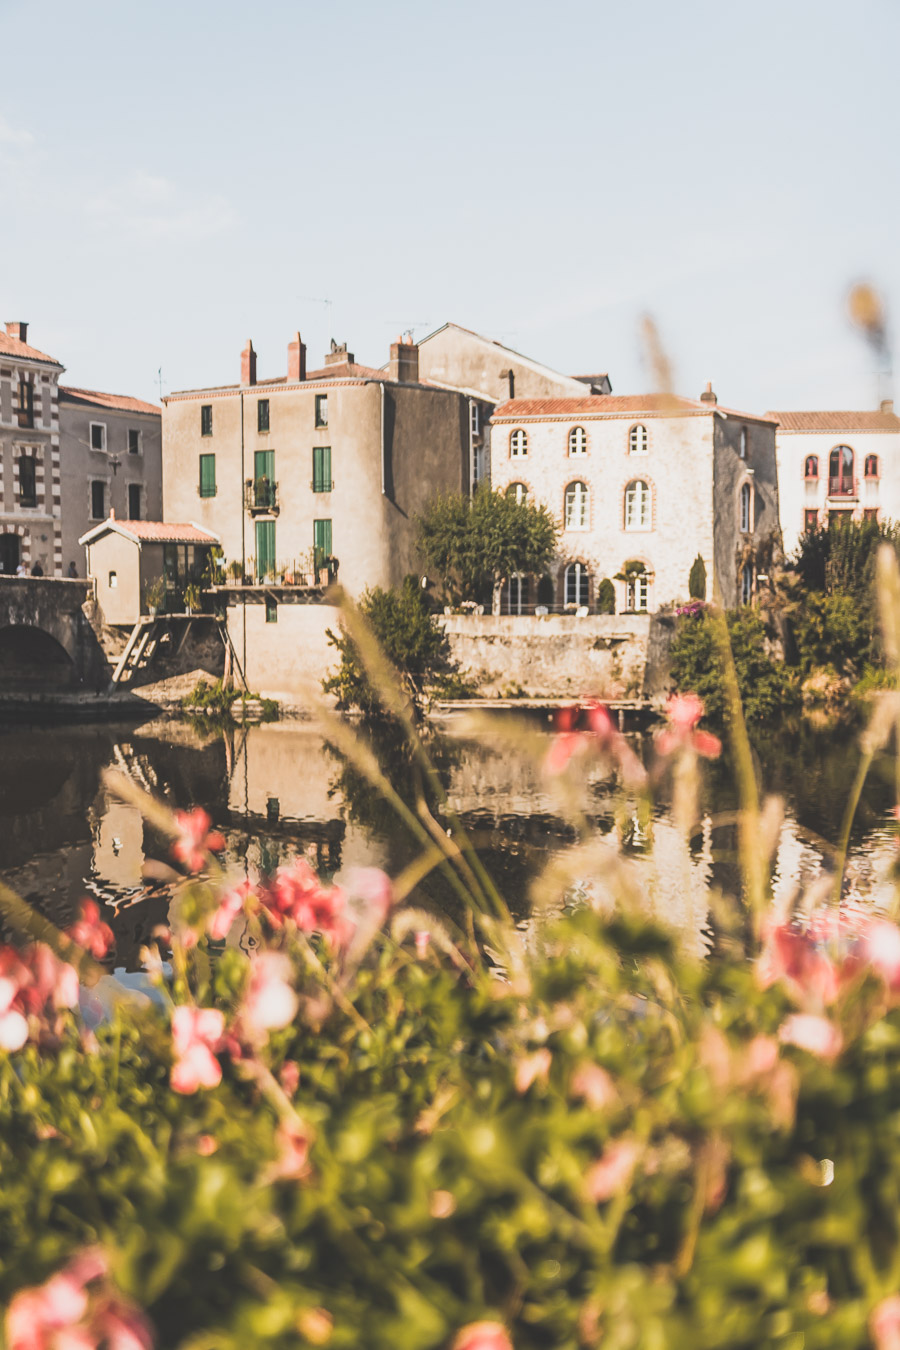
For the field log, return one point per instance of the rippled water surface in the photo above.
(279, 790)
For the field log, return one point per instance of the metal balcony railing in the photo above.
(261, 495)
(843, 487)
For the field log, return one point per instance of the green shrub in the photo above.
(833, 629)
(606, 597)
(767, 688)
(697, 579)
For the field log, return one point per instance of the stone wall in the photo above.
(614, 656)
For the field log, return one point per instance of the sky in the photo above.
(178, 177)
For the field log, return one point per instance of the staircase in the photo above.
(139, 650)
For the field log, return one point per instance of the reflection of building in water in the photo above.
(119, 844)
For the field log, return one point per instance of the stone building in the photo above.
(836, 465)
(333, 463)
(60, 452)
(110, 462)
(640, 487)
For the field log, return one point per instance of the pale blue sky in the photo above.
(177, 177)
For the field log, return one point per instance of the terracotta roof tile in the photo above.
(152, 532)
(616, 405)
(836, 421)
(340, 370)
(10, 346)
(121, 402)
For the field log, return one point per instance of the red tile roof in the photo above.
(340, 370)
(835, 421)
(120, 402)
(152, 532)
(10, 346)
(616, 405)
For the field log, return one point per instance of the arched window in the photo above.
(746, 584)
(871, 466)
(811, 467)
(743, 443)
(578, 441)
(637, 592)
(576, 506)
(746, 508)
(577, 584)
(518, 443)
(840, 472)
(637, 440)
(519, 491)
(516, 594)
(637, 505)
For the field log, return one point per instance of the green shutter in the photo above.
(207, 475)
(321, 541)
(322, 468)
(265, 548)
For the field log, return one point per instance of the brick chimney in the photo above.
(296, 359)
(404, 363)
(248, 364)
(19, 331)
(887, 405)
(708, 396)
(339, 354)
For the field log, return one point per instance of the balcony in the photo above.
(843, 487)
(261, 497)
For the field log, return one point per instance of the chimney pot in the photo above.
(404, 363)
(112, 513)
(708, 396)
(296, 359)
(248, 364)
(887, 405)
(19, 331)
(338, 354)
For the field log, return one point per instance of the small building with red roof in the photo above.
(129, 558)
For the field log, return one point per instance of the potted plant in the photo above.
(192, 599)
(236, 571)
(155, 595)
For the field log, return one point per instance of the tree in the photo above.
(408, 635)
(476, 543)
(697, 579)
(606, 597)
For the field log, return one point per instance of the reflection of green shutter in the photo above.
(321, 541)
(322, 468)
(207, 475)
(265, 547)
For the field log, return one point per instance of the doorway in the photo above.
(10, 546)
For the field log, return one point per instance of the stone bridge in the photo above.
(47, 640)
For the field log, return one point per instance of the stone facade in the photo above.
(335, 462)
(640, 487)
(30, 507)
(834, 464)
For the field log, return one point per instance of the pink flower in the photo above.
(218, 925)
(63, 1314)
(422, 942)
(563, 748)
(90, 932)
(289, 1078)
(761, 1056)
(207, 1145)
(296, 893)
(882, 950)
(292, 1163)
(194, 840)
(884, 1323)
(196, 1033)
(792, 956)
(594, 1084)
(483, 1336)
(815, 1034)
(373, 888)
(611, 1173)
(271, 1001)
(684, 712)
(533, 1068)
(13, 1026)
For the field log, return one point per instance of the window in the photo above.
(871, 466)
(576, 513)
(519, 491)
(265, 548)
(746, 584)
(746, 508)
(518, 443)
(98, 435)
(321, 542)
(637, 440)
(25, 415)
(207, 475)
(98, 501)
(206, 419)
(577, 441)
(811, 467)
(517, 594)
(870, 513)
(810, 521)
(271, 610)
(321, 410)
(478, 463)
(742, 451)
(474, 419)
(637, 505)
(113, 581)
(134, 501)
(840, 472)
(577, 584)
(134, 441)
(322, 468)
(637, 592)
(27, 481)
(262, 415)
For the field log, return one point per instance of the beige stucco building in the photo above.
(640, 487)
(836, 465)
(333, 463)
(126, 557)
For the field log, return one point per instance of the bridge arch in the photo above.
(31, 658)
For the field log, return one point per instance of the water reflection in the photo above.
(279, 790)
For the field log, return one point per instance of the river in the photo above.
(278, 790)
